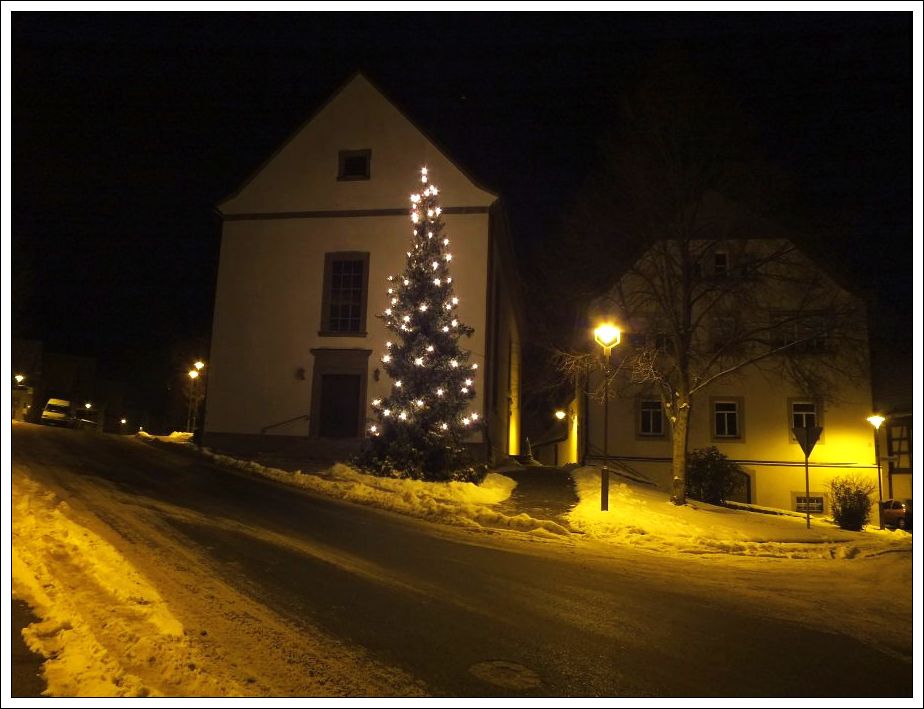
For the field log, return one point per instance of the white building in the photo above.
(307, 244)
(749, 415)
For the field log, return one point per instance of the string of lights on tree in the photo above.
(432, 381)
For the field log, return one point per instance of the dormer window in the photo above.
(354, 165)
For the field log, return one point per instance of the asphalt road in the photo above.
(467, 614)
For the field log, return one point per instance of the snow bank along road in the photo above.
(180, 577)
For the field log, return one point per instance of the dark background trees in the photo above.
(685, 234)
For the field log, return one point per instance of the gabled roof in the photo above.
(357, 88)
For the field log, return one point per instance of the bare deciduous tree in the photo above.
(705, 286)
(700, 311)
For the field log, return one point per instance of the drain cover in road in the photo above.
(506, 674)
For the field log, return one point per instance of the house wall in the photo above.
(568, 450)
(302, 175)
(766, 449)
(503, 416)
(268, 311)
(765, 446)
(278, 228)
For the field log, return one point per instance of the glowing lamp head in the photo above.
(876, 420)
(607, 335)
(19, 378)
(88, 405)
(560, 415)
(123, 421)
(198, 364)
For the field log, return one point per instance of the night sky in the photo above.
(128, 129)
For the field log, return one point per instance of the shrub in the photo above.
(403, 457)
(711, 476)
(851, 504)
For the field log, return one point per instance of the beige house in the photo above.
(307, 245)
(748, 415)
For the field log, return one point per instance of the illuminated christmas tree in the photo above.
(421, 424)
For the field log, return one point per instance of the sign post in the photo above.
(807, 438)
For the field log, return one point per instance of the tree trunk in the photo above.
(679, 434)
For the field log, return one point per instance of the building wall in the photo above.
(302, 175)
(278, 228)
(764, 446)
(766, 449)
(268, 311)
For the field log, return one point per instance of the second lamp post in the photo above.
(607, 336)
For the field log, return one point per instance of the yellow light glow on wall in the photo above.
(571, 453)
(513, 423)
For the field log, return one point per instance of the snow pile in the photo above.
(105, 629)
(639, 515)
(643, 516)
(457, 503)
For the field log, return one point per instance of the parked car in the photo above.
(58, 412)
(896, 513)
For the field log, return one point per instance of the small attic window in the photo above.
(354, 165)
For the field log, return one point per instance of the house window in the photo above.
(725, 417)
(804, 414)
(651, 421)
(899, 445)
(812, 503)
(663, 343)
(354, 165)
(720, 264)
(802, 332)
(636, 340)
(346, 280)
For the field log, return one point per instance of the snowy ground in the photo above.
(644, 516)
(639, 515)
(77, 583)
(108, 631)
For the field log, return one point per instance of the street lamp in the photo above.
(190, 413)
(607, 336)
(19, 378)
(877, 420)
(560, 415)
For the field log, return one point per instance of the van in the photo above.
(58, 412)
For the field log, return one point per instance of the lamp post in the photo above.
(607, 336)
(877, 420)
(190, 412)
